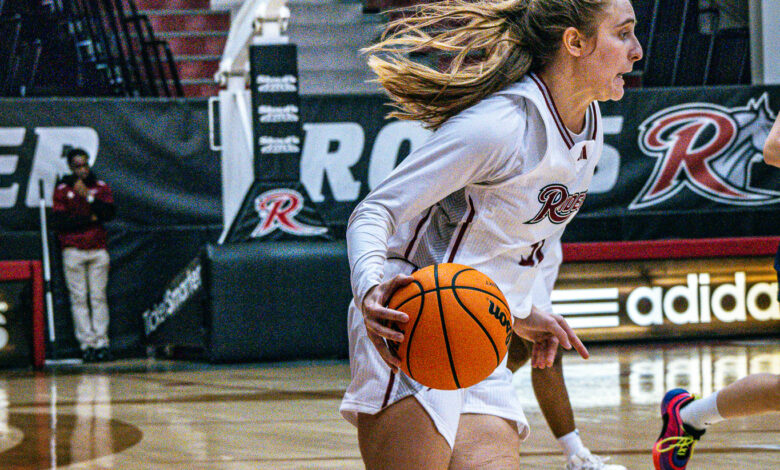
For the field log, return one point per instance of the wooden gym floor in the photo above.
(151, 414)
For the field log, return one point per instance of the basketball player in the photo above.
(517, 137)
(686, 418)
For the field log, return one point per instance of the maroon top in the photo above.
(73, 214)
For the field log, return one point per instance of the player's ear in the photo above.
(573, 41)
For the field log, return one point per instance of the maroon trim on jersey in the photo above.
(416, 233)
(388, 390)
(462, 231)
(595, 120)
(553, 109)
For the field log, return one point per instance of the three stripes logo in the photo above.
(587, 308)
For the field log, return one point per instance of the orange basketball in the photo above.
(459, 326)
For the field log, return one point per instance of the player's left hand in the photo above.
(547, 331)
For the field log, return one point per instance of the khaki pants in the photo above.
(86, 274)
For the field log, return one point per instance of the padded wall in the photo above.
(276, 300)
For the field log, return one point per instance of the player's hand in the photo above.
(80, 188)
(547, 331)
(378, 318)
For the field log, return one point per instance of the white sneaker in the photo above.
(584, 460)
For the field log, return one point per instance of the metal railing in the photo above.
(108, 46)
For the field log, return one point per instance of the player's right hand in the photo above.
(548, 330)
(378, 318)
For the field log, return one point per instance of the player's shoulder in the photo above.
(495, 119)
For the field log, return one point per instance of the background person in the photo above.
(82, 203)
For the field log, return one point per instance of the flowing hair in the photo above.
(491, 43)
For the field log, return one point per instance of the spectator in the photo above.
(82, 203)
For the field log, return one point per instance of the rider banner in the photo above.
(677, 163)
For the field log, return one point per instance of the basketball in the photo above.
(459, 326)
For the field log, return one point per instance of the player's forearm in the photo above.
(772, 145)
(772, 152)
(367, 235)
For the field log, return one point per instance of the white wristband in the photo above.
(90, 198)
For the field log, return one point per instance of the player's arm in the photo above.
(772, 145)
(458, 154)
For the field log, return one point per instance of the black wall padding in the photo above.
(277, 300)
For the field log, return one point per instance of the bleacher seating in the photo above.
(82, 48)
(172, 47)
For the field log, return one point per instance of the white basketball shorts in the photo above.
(374, 387)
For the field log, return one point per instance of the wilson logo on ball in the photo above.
(495, 310)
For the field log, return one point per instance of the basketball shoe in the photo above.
(584, 460)
(675, 444)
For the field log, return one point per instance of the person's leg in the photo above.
(97, 276)
(553, 398)
(486, 441)
(754, 394)
(402, 436)
(686, 418)
(74, 270)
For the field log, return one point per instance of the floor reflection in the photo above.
(630, 375)
(172, 415)
(52, 436)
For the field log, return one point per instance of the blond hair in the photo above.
(492, 44)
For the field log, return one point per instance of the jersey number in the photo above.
(535, 257)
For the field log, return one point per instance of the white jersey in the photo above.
(493, 189)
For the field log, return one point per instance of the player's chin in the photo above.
(616, 92)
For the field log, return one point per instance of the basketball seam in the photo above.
(484, 330)
(411, 332)
(444, 326)
(423, 292)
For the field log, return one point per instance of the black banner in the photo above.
(153, 153)
(678, 163)
(276, 118)
(277, 206)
